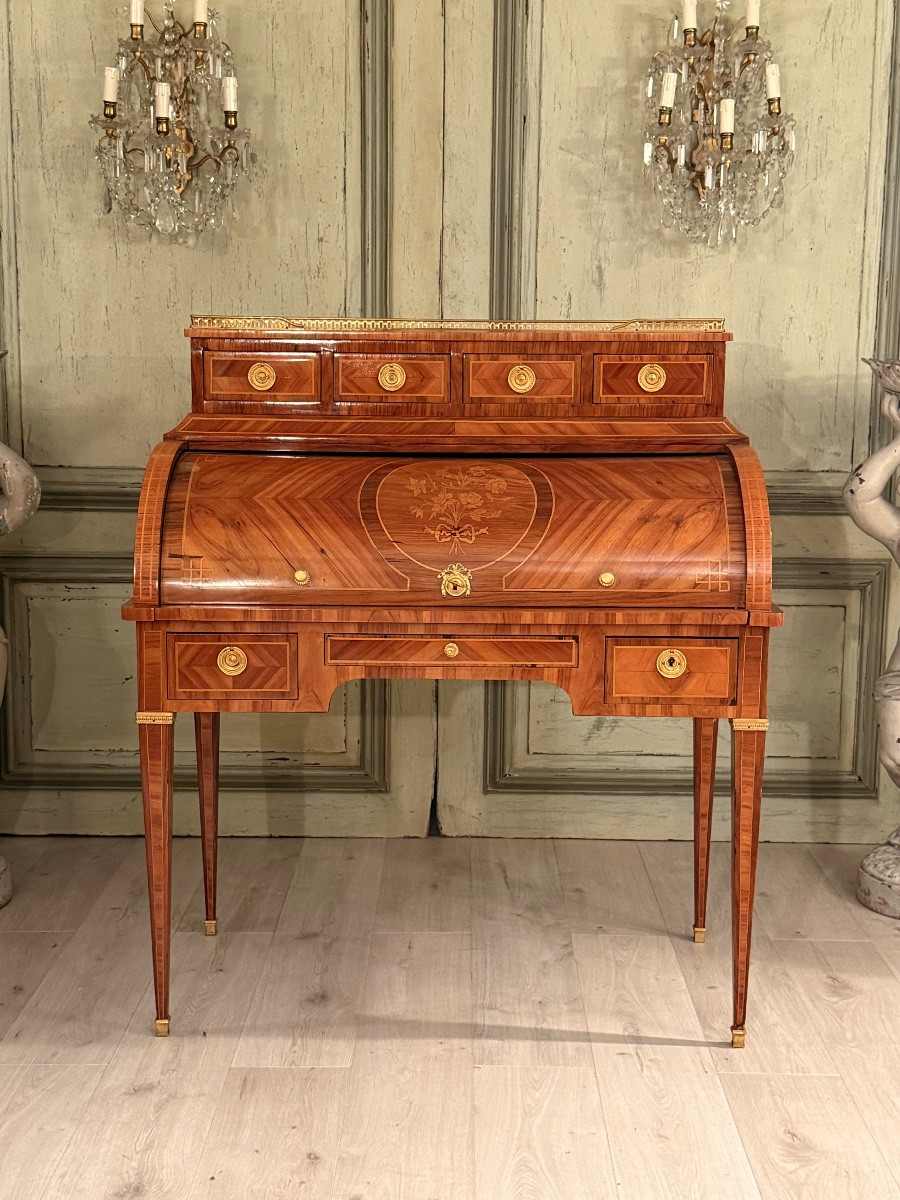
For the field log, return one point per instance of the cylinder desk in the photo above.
(454, 500)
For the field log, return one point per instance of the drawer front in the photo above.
(450, 652)
(516, 379)
(652, 381)
(640, 670)
(392, 380)
(236, 665)
(263, 377)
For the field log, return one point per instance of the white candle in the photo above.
(110, 85)
(667, 99)
(229, 94)
(753, 12)
(137, 12)
(773, 81)
(200, 12)
(726, 115)
(161, 100)
(690, 14)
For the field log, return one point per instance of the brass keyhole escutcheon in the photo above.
(261, 377)
(651, 377)
(391, 377)
(301, 577)
(521, 378)
(456, 581)
(232, 660)
(607, 579)
(671, 664)
(451, 650)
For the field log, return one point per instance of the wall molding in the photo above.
(10, 370)
(118, 769)
(515, 158)
(868, 577)
(90, 489)
(887, 316)
(376, 46)
(805, 493)
(117, 489)
(508, 160)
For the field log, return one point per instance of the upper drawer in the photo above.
(413, 379)
(265, 377)
(659, 380)
(492, 377)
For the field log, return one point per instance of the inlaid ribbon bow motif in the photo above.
(457, 499)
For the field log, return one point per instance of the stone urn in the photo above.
(20, 494)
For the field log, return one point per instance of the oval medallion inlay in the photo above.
(457, 511)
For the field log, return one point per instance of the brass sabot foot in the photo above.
(210, 928)
(162, 1027)
(738, 1037)
(699, 933)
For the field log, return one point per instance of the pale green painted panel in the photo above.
(417, 158)
(812, 704)
(82, 669)
(798, 292)
(102, 309)
(465, 246)
(83, 688)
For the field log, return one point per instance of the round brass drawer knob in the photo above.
(521, 378)
(232, 660)
(651, 377)
(261, 377)
(451, 650)
(301, 577)
(671, 664)
(391, 377)
(607, 579)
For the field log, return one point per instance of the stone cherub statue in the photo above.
(20, 494)
(879, 872)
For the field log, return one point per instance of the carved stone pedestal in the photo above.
(879, 878)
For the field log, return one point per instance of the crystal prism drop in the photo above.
(165, 218)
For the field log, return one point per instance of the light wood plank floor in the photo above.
(444, 1020)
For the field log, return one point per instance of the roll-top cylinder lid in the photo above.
(320, 531)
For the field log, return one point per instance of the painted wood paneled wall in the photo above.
(419, 158)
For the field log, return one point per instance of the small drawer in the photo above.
(658, 380)
(371, 650)
(413, 379)
(240, 666)
(512, 379)
(642, 671)
(263, 377)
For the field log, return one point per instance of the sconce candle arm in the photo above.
(167, 124)
(728, 142)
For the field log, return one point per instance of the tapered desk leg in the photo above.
(706, 732)
(206, 733)
(156, 740)
(748, 752)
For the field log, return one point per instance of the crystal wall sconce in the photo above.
(171, 152)
(717, 144)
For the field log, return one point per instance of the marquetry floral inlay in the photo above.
(456, 500)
